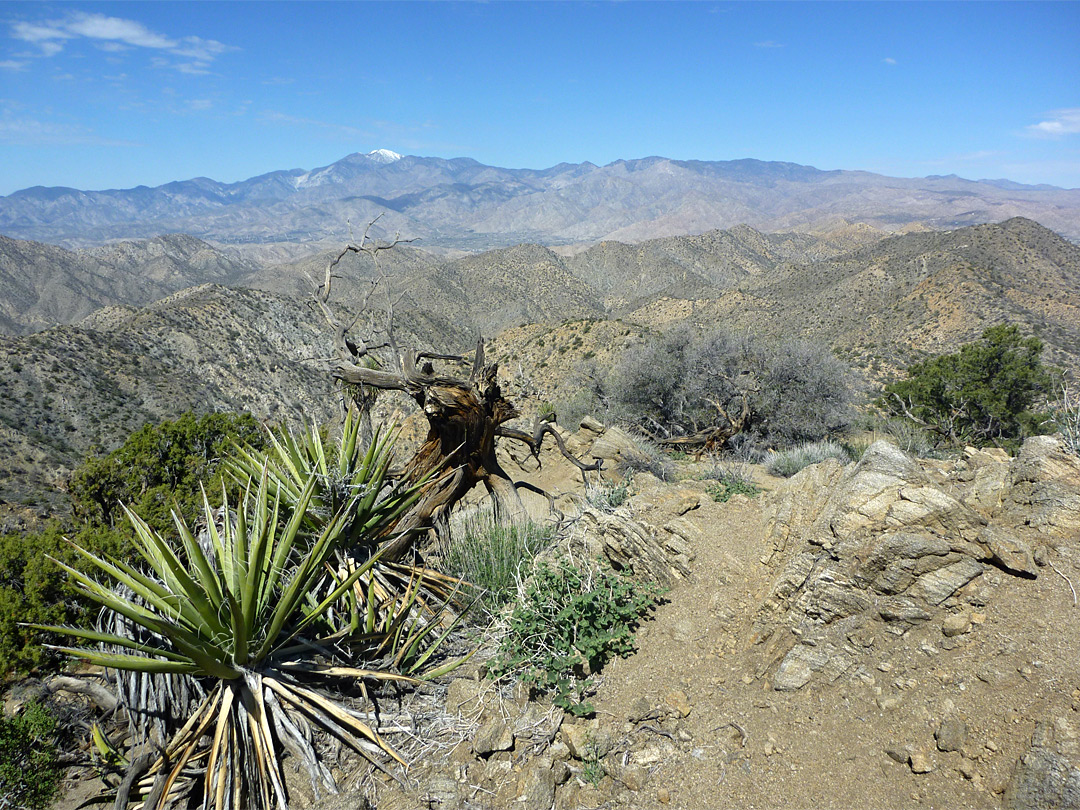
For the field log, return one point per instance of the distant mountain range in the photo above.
(462, 204)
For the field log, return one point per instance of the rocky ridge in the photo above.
(825, 646)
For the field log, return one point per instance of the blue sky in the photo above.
(112, 95)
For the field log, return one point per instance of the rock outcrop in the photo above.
(888, 541)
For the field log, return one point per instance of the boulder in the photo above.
(878, 540)
(1043, 778)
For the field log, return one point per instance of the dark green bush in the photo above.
(983, 394)
(161, 466)
(157, 468)
(29, 776)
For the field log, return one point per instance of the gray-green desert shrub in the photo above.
(686, 380)
(607, 496)
(788, 462)
(493, 558)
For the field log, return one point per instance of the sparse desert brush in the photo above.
(788, 462)
(717, 385)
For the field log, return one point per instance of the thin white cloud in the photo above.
(31, 132)
(115, 34)
(50, 48)
(12, 64)
(116, 29)
(1060, 123)
(338, 130)
(202, 50)
(768, 43)
(36, 34)
(888, 60)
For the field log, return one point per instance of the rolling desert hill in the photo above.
(880, 302)
(208, 348)
(909, 296)
(466, 205)
(46, 285)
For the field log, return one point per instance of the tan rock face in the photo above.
(888, 539)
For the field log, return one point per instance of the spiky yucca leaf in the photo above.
(242, 611)
(294, 461)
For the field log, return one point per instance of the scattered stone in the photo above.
(576, 737)
(678, 702)
(951, 734)
(1043, 780)
(956, 624)
(1009, 551)
(493, 736)
(538, 786)
(633, 777)
(900, 754)
(798, 667)
(920, 762)
(967, 769)
(641, 710)
(663, 795)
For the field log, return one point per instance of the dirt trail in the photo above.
(826, 746)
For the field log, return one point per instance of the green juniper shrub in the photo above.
(158, 468)
(568, 624)
(29, 774)
(983, 394)
(33, 589)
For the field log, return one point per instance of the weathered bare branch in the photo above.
(465, 415)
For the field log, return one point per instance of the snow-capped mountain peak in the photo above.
(384, 155)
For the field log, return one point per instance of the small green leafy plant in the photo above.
(568, 624)
(28, 771)
(721, 491)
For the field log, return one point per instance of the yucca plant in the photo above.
(338, 471)
(252, 612)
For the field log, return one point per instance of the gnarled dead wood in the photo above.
(465, 416)
(713, 438)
